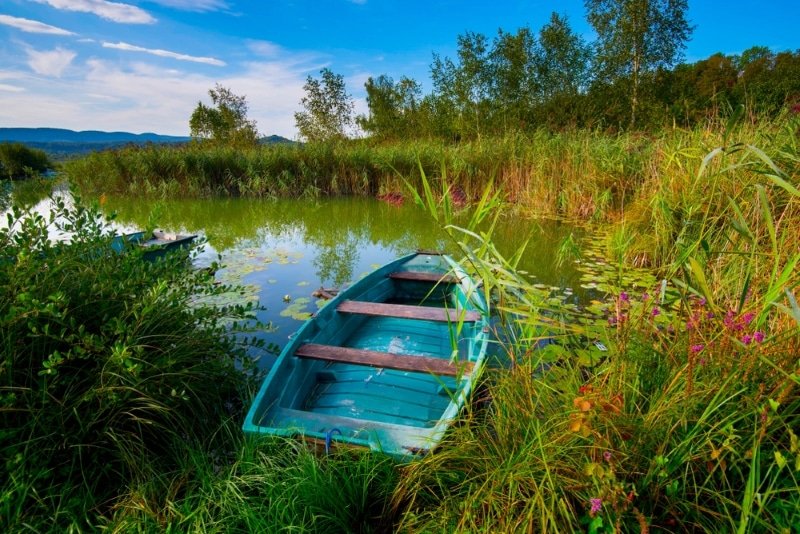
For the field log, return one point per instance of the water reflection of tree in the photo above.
(340, 229)
(337, 262)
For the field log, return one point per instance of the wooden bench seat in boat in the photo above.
(419, 276)
(406, 311)
(385, 360)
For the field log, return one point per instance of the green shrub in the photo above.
(18, 161)
(111, 367)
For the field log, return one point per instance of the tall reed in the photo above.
(688, 422)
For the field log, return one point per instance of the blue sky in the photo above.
(142, 65)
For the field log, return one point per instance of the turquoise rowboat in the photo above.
(387, 364)
(155, 246)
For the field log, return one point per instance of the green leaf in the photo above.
(780, 460)
(700, 280)
(777, 180)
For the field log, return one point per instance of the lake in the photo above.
(283, 250)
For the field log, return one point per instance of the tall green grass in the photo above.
(689, 421)
(108, 367)
(262, 486)
(119, 401)
(651, 181)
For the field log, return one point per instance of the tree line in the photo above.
(630, 78)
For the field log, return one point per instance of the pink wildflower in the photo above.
(607, 456)
(728, 321)
(597, 505)
(758, 336)
(746, 339)
(645, 297)
(697, 348)
(655, 312)
(623, 297)
(748, 317)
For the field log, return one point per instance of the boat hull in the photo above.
(403, 354)
(156, 246)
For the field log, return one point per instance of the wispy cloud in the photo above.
(50, 62)
(199, 6)
(32, 26)
(113, 11)
(11, 88)
(164, 53)
(264, 48)
(141, 97)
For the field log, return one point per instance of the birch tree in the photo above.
(635, 37)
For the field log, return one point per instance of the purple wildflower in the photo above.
(697, 348)
(645, 297)
(758, 336)
(607, 456)
(623, 297)
(597, 505)
(728, 321)
(655, 312)
(702, 301)
(748, 317)
(746, 339)
(710, 315)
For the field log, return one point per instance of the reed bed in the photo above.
(687, 422)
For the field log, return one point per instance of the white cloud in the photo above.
(264, 48)
(11, 88)
(113, 11)
(164, 53)
(50, 62)
(32, 26)
(200, 6)
(141, 97)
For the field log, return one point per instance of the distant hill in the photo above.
(60, 143)
(60, 135)
(272, 139)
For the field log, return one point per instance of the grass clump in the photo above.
(687, 423)
(110, 368)
(264, 486)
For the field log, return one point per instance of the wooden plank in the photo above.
(405, 311)
(385, 360)
(419, 276)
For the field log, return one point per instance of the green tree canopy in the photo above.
(226, 121)
(635, 37)
(393, 107)
(327, 109)
(561, 59)
(513, 85)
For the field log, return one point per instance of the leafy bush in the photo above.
(111, 367)
(18, 161)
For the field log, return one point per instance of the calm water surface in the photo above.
(283, 250)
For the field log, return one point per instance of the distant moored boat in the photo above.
(156, 245)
